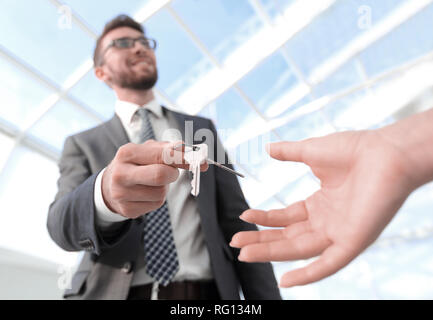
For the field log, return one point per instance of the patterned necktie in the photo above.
(160, 251)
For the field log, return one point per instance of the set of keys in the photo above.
(197, 155)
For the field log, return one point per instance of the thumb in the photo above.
(286, 150)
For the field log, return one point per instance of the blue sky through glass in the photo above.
(409, 41)
(180, 63)
(219, 24)
(63, 120)
(21, 96)
(96, 13)
(274, 8)
(230, 112)
(333, 30)
(36, 33)
(95, 94)
(345, 77)
(268, 81)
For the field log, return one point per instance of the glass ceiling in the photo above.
(260, 69)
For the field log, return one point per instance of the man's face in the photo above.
(133, 68)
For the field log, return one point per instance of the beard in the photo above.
(132, 81)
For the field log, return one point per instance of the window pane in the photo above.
(333, 30)
(180, 63)
(6, 144)
(275, 8)
(60, 122)
(405, 43)
(232, 116)
(27, 187)
(21, 96)
(311, 125)
(340, 114)
(95, 94)
(414, 217)
(345, 77)
(380, 104)
(271, 81)
(219, 24)
(300, 189)
(402, 269)
(37, 33)
(270, 175)
(285, 110)
(270, 204)
(98, 13)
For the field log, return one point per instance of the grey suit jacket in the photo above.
(107, 267)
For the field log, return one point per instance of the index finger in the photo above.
(174, 156)
(149, 152)
(155, 152)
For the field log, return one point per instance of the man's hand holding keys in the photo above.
(136, 181)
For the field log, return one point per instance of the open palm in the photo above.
(362, 187)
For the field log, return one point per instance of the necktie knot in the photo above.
(142, 112)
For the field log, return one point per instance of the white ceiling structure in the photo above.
(261, 70)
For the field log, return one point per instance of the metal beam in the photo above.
(320, 103)
(63, 91)
(50, 101)
(250, 54)
(261, 12)
(354, 48)
(215, 61)
(30, 142)
(399, 16)
(78, 21)
(150, 9)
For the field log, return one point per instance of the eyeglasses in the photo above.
(125, 43)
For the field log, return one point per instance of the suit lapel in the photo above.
(180, 120)
(115, 132)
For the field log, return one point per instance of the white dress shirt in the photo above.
(194, 261)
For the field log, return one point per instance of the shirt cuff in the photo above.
(104, 216)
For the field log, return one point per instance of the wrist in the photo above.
(105, 191)
(412, 137)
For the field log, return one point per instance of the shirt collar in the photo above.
(125, 110)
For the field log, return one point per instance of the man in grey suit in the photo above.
(115, 185)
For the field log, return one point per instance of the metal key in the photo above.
(210, 161)
(195, 158)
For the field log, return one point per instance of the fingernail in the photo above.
(233, 244)
(244, 216)
(284, 285)
(241, 256)
(268, 148)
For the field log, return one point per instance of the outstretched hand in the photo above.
(363, 184)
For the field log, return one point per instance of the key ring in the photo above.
(193, 148)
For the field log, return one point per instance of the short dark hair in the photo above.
(122, 20)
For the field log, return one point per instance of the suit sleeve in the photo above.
(71, 217)
(257, 279)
